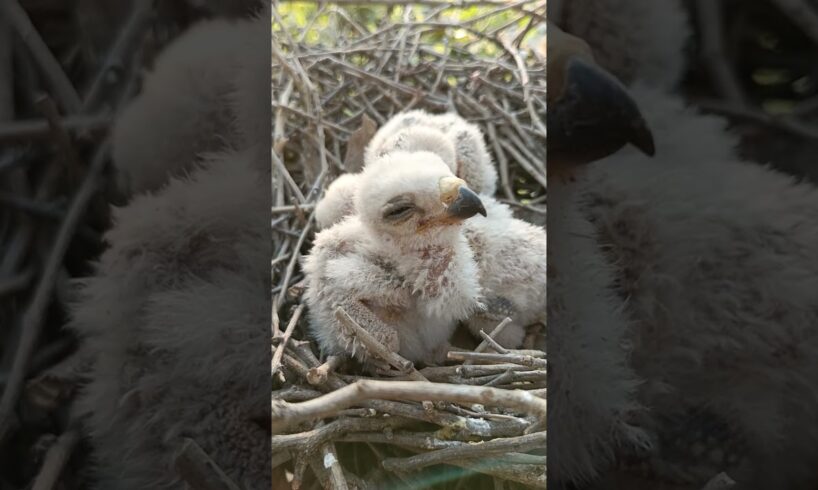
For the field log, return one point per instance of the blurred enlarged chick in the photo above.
(208, 91)
(177, 315)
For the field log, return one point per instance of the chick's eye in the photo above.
(398, 212)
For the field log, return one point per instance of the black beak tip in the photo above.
(643, 139)
(466, 205)
(595, 116)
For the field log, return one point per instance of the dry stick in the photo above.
(286, 414)
(493, 343)
(746, 112)
(527, 442)
(528, 475)
(337, 481)
(524, 359)
(198, 470)
(459, 372)
(32, 320)
(722, 481)
(494, 333)
(6, 71)
(280, 458)
(376, 348)
(16, 282)
(67, 150)
(712, 40)
(308, 441)
(291, 208)
(37, 129)
(318, 375)
(55, 459)
(63, 89)
(524, 81)
(528, 166)
(802, 14)
(288, 273)
(276, 318)
(118, 56)
(276, 363)
(295, 393)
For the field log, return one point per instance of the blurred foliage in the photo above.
(328, 25)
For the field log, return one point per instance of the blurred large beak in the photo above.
(460, 201)
(590, 113)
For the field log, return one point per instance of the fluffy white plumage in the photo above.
(408, 281)
(511, 260)
(718, 260)
(637, 40)
(510, 253)
(193, 103)
(710, 266)
(338, 201)
(472, 161)
(173, 356)
(457, 142)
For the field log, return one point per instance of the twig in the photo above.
(722, 481)
(308, 441)
(63, 89)
(55, 459)
(493, 343)
(119, 56)
(292, 207)
(712, 40)
(527, 442)
(38, 129)
(276, 362)
(494, 333)
(337, 481)
(524, 359)
(196, 468)
(318, 375)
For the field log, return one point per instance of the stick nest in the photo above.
(339, 73)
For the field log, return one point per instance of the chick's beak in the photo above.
(460, 201)
(590, 113)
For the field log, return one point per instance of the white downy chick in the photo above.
(401, 266)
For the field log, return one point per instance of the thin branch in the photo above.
(64, 91)
(527, 442)
(288, 414)
(198, 470)
(33, 318)
(276, 362)
(55, 460)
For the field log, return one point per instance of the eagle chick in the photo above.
(401, 266)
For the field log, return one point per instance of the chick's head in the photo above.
(414, 197)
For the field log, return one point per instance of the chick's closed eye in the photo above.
(399, 209)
